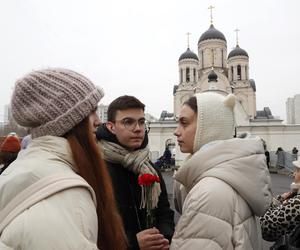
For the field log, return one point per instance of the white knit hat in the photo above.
(215, 118)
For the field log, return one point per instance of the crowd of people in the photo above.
(77, 183)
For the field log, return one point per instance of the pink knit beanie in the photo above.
(53, 101)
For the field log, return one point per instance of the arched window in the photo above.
(194, 74)
(181, 75)
(239, 72)
(232, 73)
(222, 52)
(187, 74)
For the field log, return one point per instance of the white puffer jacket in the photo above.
(224, 186)
(66, 220)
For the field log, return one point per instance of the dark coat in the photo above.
(128, 197)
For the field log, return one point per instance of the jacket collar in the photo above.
(58, 147)
(238, 162)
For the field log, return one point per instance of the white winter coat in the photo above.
(66, 220)
(223, 187)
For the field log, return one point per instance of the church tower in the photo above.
(238, 75)
(188, 77)
(212, 70)
(212, 48)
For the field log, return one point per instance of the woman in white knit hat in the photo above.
(223, 184)
(57, 194)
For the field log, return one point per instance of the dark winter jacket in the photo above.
(128, 196)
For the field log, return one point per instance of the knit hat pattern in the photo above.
(215, 118)
(53, 101)
(11, 144)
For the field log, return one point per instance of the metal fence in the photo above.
(288, 159)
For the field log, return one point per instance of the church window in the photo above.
(239, 72)
(194, 74)
(232, 73)
(222, 52)
(181, 75)
(187, 75)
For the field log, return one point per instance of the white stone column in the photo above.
(229, 73)
(194, 75)
(243, 69)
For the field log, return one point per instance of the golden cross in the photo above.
(211, 16)
(188, 39)
(237, 35)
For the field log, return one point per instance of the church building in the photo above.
(214, 69)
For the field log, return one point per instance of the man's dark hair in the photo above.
(192, 103)
(122, 103)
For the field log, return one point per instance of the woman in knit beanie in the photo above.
(59, 107)
(224, 183)
(9, 150)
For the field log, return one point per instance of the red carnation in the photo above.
(147, 182)
(148, 179)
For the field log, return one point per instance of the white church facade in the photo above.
(212, 69)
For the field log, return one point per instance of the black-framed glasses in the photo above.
(130, 123)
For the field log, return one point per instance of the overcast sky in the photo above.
(132, 46)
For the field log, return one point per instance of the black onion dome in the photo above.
(188, 55)
(237, 51)
(212, 76)
(212, 33)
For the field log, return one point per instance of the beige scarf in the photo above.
(137, 161)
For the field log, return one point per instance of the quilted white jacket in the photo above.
(223, 188)
(66, 220)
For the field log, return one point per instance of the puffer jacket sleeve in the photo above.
(66, 220)
(206, 219)
(280, 219)
(179, 192)
(4, 247)
(164, 215)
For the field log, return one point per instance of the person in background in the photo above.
(283, 216)
(267, 154)
(295, 153)
(224, 184)
(59, 106)
(280, 158)
(9, 150)
(167, 155)
(124, 141)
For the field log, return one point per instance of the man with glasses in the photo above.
(124, 143)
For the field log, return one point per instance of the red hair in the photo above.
(92, 168)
